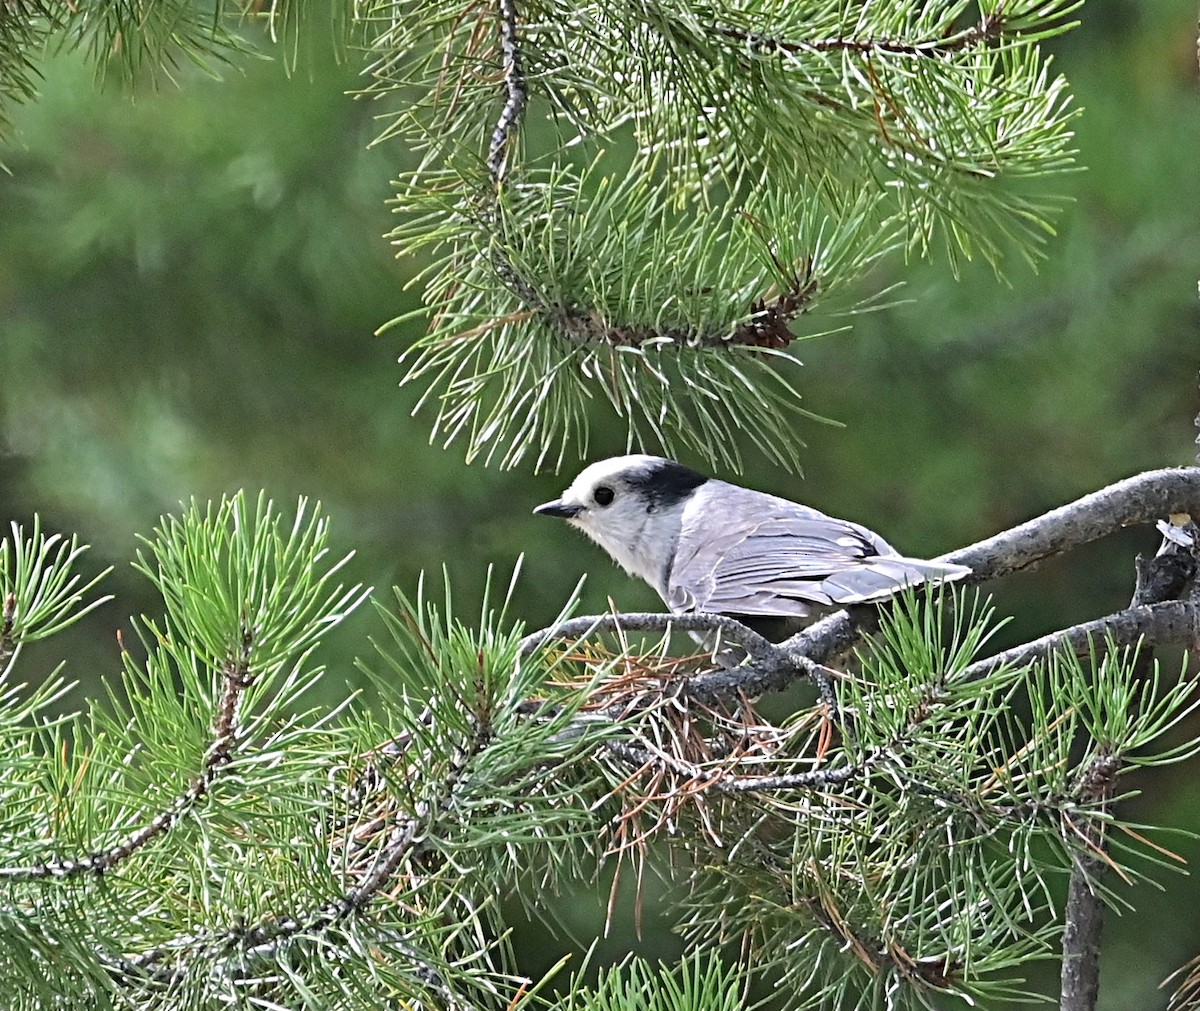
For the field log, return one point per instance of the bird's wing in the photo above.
(777, 558)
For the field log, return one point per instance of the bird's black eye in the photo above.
(603, 495)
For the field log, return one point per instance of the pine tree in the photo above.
(642, 203)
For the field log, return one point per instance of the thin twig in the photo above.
(726, 781)
(8, 643)
(768, 323)
(991, 27)
(516, 94)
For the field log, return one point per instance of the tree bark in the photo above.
(1085, 908)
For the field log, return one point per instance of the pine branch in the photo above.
(700, 979)
(42, 595)
(390, 845)
(524, 759)
(237, 677)
(1013, 790)
(25, 28)
(777, 154)
(135, 42)
(241, 949)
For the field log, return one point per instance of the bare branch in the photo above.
(697, 621)
(1085, 909)
(1171, 623)
(1138, 499)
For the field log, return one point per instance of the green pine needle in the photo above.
(639, 203)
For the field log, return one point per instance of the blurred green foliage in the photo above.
(190, 279)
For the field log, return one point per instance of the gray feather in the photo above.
(744, 552)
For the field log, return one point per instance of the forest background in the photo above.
(191, 277)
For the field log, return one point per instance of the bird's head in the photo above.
(631, 507)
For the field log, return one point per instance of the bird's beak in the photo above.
(559, 509)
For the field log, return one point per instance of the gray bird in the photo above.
(707, 545)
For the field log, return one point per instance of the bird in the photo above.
(707, 545)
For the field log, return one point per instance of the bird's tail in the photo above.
(885, 575)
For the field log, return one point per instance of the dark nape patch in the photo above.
(665, 484)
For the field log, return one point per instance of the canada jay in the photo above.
(707, 545)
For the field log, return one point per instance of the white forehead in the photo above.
(612, 469)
